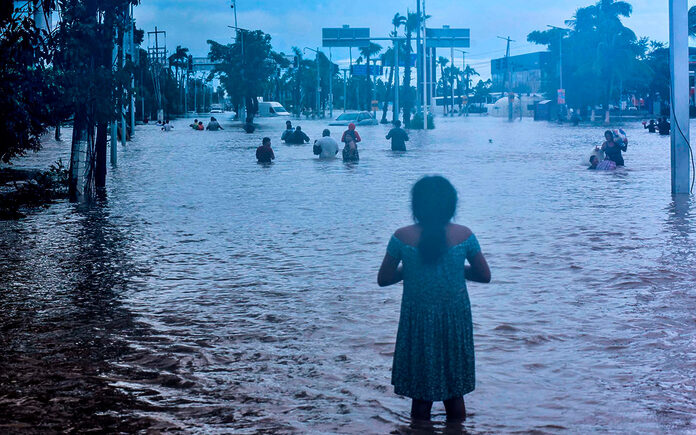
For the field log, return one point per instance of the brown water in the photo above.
(212, 294)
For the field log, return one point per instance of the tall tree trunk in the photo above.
(100, 149)
(387, 93)
(78, 157)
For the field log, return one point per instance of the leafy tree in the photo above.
(601, 55)
(246, 67)
(466, 75)
(84, 42)
(369, 52)
(482, 91)
(28, 87)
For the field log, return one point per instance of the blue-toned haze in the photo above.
(298, 23)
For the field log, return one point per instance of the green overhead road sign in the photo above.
(345, 36)
(447, 37)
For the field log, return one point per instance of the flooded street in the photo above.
(212, 294)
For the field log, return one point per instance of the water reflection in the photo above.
(63, 320)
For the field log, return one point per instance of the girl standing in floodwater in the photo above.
(434, 354)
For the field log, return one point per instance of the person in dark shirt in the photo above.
(663, 126)
(398, 137)
(298, 137)
(289, 131)
(612, 148)
(264, 153)
(651, 126)
(214, 125)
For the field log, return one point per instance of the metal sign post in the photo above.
(679, 104)
(434, 38)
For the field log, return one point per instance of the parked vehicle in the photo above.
(357, 118)
(272, 108)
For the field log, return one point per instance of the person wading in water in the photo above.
(434, 352)
(351, 138)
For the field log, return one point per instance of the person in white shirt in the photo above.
(326, 147)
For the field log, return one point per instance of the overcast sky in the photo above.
(298, 23)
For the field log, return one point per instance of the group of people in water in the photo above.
(662, 126)
(327, 147)
(609, 156)
(213, 125)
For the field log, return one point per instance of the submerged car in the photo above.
(357, 118)
(271, 109)
(216, 108)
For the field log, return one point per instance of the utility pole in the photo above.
(345, 86)
(561, 32)
(318, 92)
(509, 76)
(157, 55)
(452, 77)
(679, 101)
(331, 75)
(132, 51)
(395, 112)
(317, 102)
(419, 51)
(374, 88)
(466, 87)
(425, 70)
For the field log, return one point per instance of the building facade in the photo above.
(528, 72)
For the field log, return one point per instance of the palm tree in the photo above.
(467, 73)
(370, 51)
(603, 21)
(179, 60)
(453, 75)
(411, 25)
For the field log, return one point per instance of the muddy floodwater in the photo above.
(212, 294)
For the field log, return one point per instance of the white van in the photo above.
(272, 108)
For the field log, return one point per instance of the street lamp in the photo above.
(240, 32)
(317, 99)
(562, 31)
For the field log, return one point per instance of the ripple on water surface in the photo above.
(212, 294)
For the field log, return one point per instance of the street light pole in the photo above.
(331, 71)
(466, 87)
(509, 76)
(317, 99)
(561, 32)
(452, 78)
(425, 69)
(240, 34)
(395, 112)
